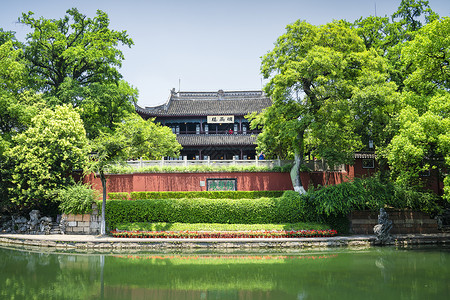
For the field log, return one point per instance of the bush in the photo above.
(205, 194)
(369, 193)
(77, 199)
(119, 196)
(286, 209)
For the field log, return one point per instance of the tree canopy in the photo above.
(322, 80)
(338, 87)
(423, 140)
(46, 154)
(76, 49)
(71, 61)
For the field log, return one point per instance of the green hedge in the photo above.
(290, 208)
(205, 194)
(328, 205)
(119, 196)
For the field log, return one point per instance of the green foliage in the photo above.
(77, 199)
(75, 48)
(17, 107)
(133, 137)
(119, 196)
(125, 169)
(145, 226)
(329, 205)
(205, 194)
(423, 138)
(200, 210)
(45, 155)
(370, 193)
(330, 94)
(447, 188)
(106, 105)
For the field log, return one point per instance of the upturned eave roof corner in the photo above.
(210, 103)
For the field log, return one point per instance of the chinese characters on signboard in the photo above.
(220, 119)
(221, 184)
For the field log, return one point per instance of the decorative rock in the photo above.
(63, 224)
(45, 225)
(383, 228)
(34, 220)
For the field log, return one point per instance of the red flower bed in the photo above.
(224, 234)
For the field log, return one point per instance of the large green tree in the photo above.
(73, 60)
(45, 155)
(75, 48)
(423, 141)
(106, 105)
(387, 35)
(132, 138)
(319, 77)
(17, 107)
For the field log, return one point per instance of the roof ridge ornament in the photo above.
(220, 94)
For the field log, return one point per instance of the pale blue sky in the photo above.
(209, 45)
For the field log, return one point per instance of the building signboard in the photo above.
(221, 184)
(220, 119)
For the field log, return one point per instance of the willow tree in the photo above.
(318, 77)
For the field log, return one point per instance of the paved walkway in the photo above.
(105, 242)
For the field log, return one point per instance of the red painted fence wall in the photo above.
(246, 181)
(138, 182)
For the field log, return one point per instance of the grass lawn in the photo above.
(219, 227)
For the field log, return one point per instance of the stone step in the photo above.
(55, 228)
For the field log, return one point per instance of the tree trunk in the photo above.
(102, 222)
(298, 187)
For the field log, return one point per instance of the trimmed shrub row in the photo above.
(290, 208)
(199, 194)
(119, 196)
(329, 205)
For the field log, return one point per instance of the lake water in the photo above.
(374, 273)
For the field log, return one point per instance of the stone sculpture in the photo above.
(34, 220)
(383, 228)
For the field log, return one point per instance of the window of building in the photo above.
(368, 163)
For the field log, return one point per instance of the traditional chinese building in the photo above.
(211, 124)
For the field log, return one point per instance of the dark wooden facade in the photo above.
(211, 125)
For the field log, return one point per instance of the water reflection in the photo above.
(334, 274)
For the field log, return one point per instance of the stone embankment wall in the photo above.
(83, 224)
(403, 222)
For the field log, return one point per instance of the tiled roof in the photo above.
(209, 103)
(365, 155)
(215, 139)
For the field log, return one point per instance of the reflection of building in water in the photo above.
(211, 124)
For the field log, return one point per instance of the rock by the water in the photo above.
(383, 228)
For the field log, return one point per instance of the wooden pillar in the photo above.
(240, 126)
